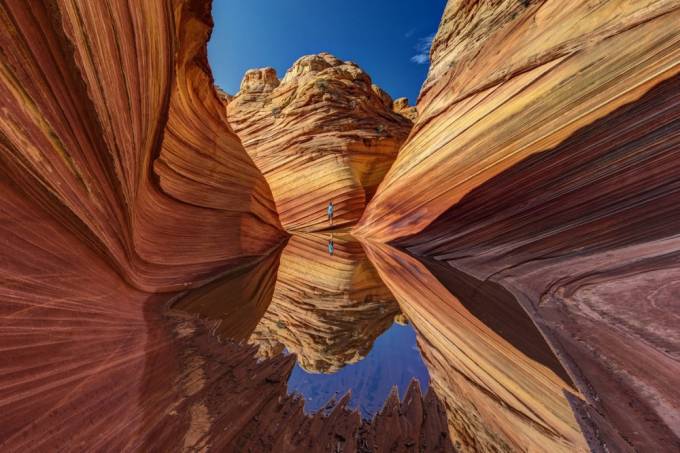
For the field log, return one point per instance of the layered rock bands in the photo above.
(323, 133)
(544, 159)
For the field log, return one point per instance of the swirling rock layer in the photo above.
(323, 132)
(110, 123)
(543, 158)
(511, 79)
(327, 309)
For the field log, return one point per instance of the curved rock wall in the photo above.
(324, 132)
(110, 122)
(543, 159)
(511, 79)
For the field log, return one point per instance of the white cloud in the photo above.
(420, 58)
(423, 49)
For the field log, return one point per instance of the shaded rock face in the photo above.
(324, 132)
(326, 309)
(543, 159)
(131, 153)
(233, 304)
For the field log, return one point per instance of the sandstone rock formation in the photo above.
(323, 132)
(511, 79)
(541, 170)
(401, 107)
(327, 309)
(111, 124)
(543, 159)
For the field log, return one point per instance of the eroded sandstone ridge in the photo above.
(110, 123)
(544, 158)
(323, 132)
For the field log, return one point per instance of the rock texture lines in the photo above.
(543, 159)
(323, 132)
(524, 217)
(111, 123)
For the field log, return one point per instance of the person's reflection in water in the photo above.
(331, 246)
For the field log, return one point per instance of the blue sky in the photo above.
(387, 38)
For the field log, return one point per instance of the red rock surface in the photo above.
(323, 132)
(543, 159)
(111, 123)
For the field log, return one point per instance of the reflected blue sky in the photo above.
(394, 360)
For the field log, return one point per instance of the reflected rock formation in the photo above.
(502, 387)
(544, 158)
(327, 309)
(323, 132)
(233, 304)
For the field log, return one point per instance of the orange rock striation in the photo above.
(323, 132)
(110, 122)
(327, 309)
(543, 159)
(511, 79)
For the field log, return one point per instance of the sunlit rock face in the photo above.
(401, 107)
(543, 158)
(324, 132)
(111, 124)
(327, 309)
(511, 79)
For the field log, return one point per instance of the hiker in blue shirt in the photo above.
(329, 211)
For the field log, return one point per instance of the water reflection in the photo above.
(502, 387)
(326, 309)
(394, 361)
(499, 396)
